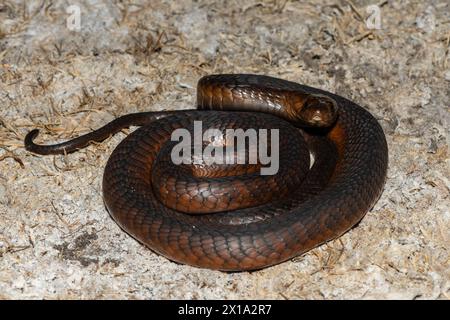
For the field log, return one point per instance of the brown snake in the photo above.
(206, 219)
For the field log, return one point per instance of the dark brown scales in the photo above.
(345, 181)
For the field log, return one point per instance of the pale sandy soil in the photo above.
(57, 239)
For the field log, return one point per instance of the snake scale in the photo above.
(247, 221)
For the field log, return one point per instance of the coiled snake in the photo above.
(236, 219)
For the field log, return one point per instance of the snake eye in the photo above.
(319, 111)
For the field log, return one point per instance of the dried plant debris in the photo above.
(68, 76)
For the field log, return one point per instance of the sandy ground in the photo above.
(57, 239)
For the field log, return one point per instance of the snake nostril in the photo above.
(317, 116)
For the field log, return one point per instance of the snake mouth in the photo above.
(318, 111)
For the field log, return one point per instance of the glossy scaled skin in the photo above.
(205, 189)
(345, 181)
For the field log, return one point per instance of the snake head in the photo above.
(317, 111)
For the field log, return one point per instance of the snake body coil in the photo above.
(299, 209)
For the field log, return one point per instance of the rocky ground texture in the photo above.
(56, 237)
